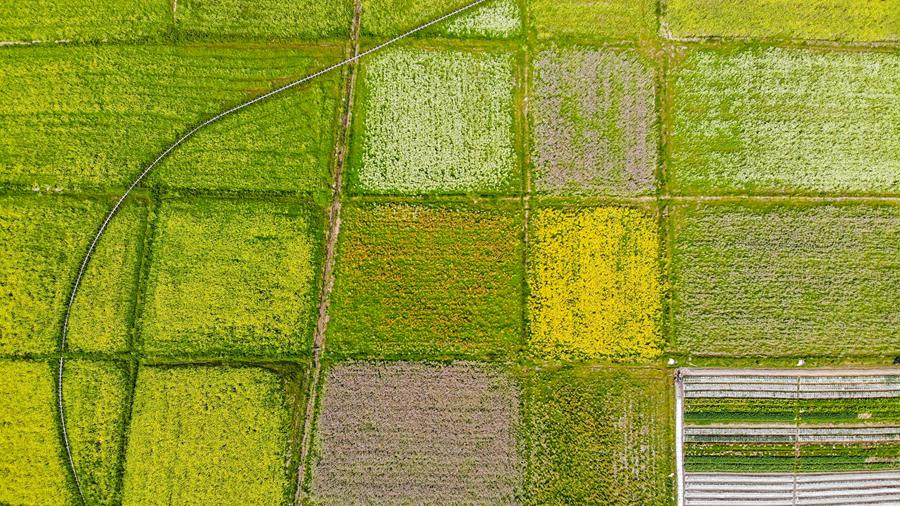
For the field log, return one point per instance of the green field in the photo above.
(85, 20)
(593, 19)
(229, 277)
(782, 121)
(596, 435)
(47, 237)
(264, 20)
(427, 282)
(849, 20)
(63, 102)
(202, 435)
(778, 280)
(31, 464)
(432, 121)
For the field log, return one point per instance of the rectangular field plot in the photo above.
(45, 238)
(232, 277)
(593, 19)
(772, 280)
(435, 121)
(594, 127)
(770, 120)
(766, 421)
(263, 19)
(415, 281)
(595, 283)
(32, 463)
(598, 436)
(845, 20)
(406, 433)
(496, 19)
(786, 489)
(209, 435)
(65, 102)
(85, 20)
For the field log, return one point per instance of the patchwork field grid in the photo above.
(612, 252)
(791, 437)
(406, 433)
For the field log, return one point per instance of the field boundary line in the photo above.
(115, 209)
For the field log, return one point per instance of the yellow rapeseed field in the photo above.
(595, 283)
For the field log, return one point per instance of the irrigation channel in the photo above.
(869, 488)
(115, 209)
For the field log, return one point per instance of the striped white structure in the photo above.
(787, 489)
(780, 384)
(789, 434)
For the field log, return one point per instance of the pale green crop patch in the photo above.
(232, 277)
(436, 121)
(209, 435)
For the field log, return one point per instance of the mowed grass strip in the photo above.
(843, 20)
(417, 281)
(435, 121)
(595, 283)
(209, 435)
(263, 19)
(593, 19)
(230, 277)
(45, 238)
(33, 469)
(405, 433)
(773, 280)
(85, 21)
(598, 436)
(594, 126)
(64, 102)
(776, 120)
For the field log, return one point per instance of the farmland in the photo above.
(737, 436)
(785, 280)
(595, 287)
(597, 436)
(427, 282)
(232, 277)
(489, 263)
(848, 20)
(412, 433)
(444, 124)
(202, 435)
(778, 120)
(594, 122)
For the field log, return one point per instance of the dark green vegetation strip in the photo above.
(31, 464)
(784, 121)
(64, 103)
(43, 236)
(773, 458)
(231, 277)
(844, 20)
(812, 411)
(776, 280)
(427, 282)
(597, 436)
(209, 435)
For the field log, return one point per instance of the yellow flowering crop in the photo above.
(595, 283)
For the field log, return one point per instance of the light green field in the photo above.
(230, 277)
(845, 20)
(593, 19)
(784, 121)
(435, 121)
(263, 19)
(85, 20)
(64, 102)
(206, 435)
(45, 239)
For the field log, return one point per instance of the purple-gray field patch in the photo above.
(594, 123)
(414, 433)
